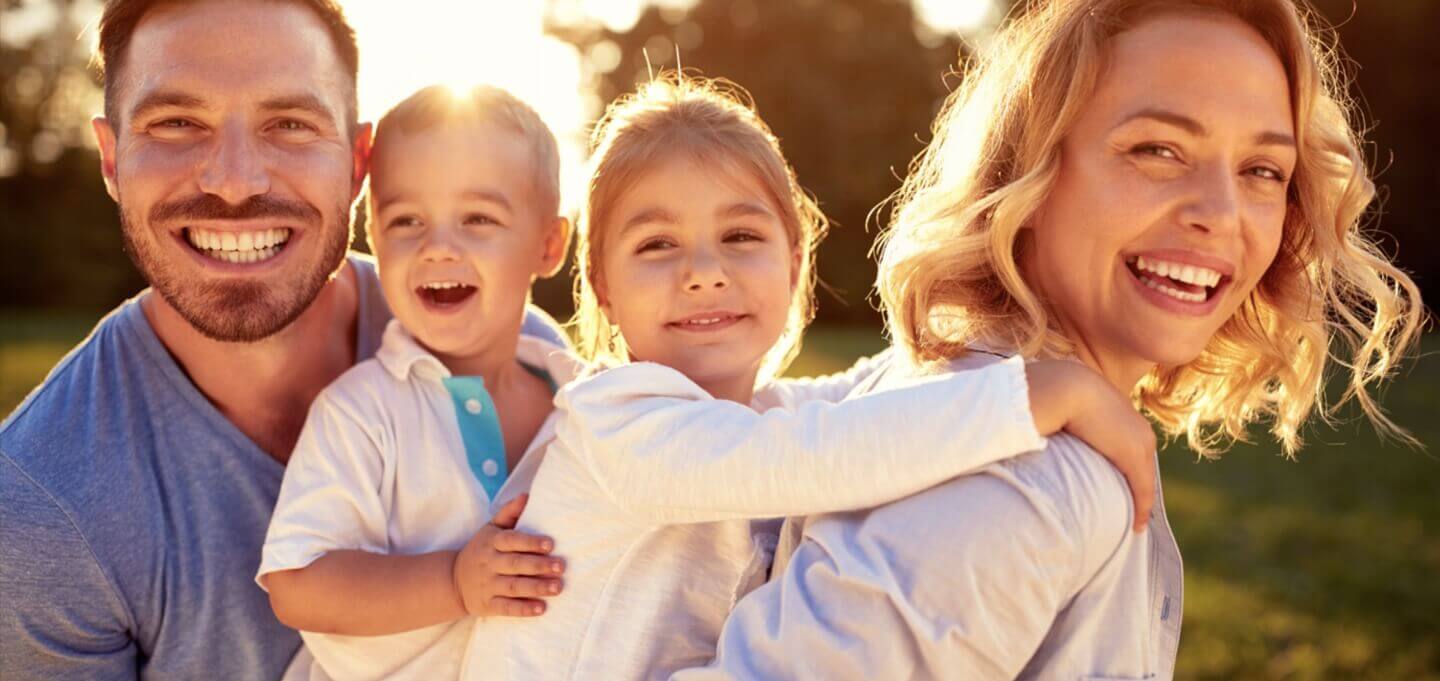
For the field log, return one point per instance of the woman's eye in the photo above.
(1266, 173)
(1156, 150)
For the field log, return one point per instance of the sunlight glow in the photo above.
(956, 15)
(407, 46)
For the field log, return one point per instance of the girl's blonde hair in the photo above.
(714, 123)
(948, 274)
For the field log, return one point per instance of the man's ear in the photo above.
(557, 244)
(105, 140)
(364, 138)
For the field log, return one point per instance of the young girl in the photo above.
(696, 283)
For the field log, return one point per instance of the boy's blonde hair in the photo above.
(440, 105)
(711, 122)
(948, 274)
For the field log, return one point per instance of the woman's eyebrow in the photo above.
(1198, 129)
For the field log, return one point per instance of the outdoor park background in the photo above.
(1323, 568)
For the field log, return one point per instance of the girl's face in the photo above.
(698, 273)
(1171, 194)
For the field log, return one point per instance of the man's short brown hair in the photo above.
(120, 17)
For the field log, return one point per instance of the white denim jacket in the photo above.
(1026, 569)
(651, 488)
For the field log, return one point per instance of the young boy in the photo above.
(390, 522)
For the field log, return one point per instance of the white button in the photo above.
(489, 468)
(473, 406)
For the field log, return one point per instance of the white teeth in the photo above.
(1190, 274)
(442, 284)
(238, 247)
(1178, 295)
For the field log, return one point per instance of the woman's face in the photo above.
(1171, 194)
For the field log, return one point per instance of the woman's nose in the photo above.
(1214, 204)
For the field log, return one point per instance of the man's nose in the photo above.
(236, 168)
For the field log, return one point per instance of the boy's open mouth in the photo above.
(443, 294)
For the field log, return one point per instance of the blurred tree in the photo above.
(847, 85)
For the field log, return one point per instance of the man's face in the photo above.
(233, 161)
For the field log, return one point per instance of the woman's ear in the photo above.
(795, 262)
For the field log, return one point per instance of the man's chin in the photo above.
(235, 311)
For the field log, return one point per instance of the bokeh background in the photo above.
(1327, 567)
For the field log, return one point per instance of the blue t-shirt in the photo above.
(132, 514)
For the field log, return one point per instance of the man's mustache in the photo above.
(212, 207)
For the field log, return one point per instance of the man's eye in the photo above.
(291, 124)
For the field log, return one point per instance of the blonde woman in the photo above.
(1167, 191)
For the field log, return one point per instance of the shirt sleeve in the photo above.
(961, 581)
(791, 392)
(331, 496)
(61, 617)
(674, 455)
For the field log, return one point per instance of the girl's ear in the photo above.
(557, 244)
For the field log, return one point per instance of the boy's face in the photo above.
(459, 235)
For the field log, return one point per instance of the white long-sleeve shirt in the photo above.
(651, 486)
(1026, 569)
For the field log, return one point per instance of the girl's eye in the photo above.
(1156, 150)
(741, 236)
(656, 244)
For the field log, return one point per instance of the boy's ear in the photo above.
(105, 140)
(360, 151)
(557, 244)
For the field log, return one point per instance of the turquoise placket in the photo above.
(480, 431)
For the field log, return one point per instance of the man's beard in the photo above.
(229, 310)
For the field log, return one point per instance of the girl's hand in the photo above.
(505, 572)
(1067, 395)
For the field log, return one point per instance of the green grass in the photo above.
(1323, 568)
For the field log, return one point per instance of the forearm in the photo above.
(357, 593)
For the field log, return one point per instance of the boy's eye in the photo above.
(403, 221)
(478, 219)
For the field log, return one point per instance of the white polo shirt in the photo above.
(651, 488)
(392, 461)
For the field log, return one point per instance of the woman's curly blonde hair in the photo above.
(713, 122)
(948, 273)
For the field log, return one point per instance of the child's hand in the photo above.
(505, 572)
(1070, 396)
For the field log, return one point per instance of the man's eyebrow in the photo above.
(649, 215)
(303, 102)
(1194, 127)
(167, 99)
(744, 209)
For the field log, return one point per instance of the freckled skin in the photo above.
(1133, 185)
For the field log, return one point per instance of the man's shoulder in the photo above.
(65, 415)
